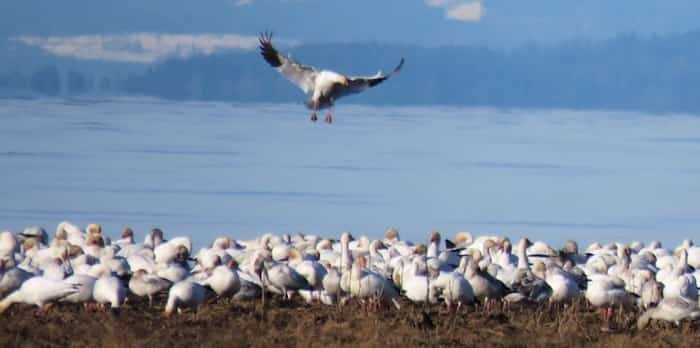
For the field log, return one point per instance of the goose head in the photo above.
(391, 235)
(420, 249)
(94, 229)
(464, 239)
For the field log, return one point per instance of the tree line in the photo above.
(629, 72)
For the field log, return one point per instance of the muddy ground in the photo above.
(287, 324)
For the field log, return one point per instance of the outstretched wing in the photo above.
(359, 84)
(303, 76)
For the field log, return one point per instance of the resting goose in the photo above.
(224, 279)
(325, 86)
(39, 291)
(185, 294)
(672, 309)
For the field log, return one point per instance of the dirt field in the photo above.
(295, 324)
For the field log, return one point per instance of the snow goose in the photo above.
(345, 262)
(177, 249)
(312, 271)
(673, 310)
(376, 260)
(606, 292)
(11, 277)
(127, 238)
(154, 238)
(391, 236)
(367, 285)
(486, 287)
(324, 86)
(85, 286)
(564, 286)
(434, 245)
(224, 279)
(395, 244)
(109, 289)
(279, 278)
(70, 232)
(144, 284)
(185, 294)
(331, 282)
(284, 280)
(174, 272)
(679, 283)
(511, 273)
(326, 252)
(693, 253)
(251, 287)
(56, 270)
(415, 282)
(8, 245)
(651, 293)
(39, 291)
(36, 233)
(117, 264)
(452, 287)
(137, 262)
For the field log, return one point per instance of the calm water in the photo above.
(210, 169)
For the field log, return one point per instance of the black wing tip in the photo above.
(267, 50)
(398, 67)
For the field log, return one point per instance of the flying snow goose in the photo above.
(324, 86)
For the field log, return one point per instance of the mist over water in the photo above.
(210, 169)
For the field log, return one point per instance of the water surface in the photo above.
(210, 169)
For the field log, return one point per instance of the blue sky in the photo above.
(495, 23)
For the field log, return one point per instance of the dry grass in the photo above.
(295, 324)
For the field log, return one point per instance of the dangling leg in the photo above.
(329, 117)
(314, 110)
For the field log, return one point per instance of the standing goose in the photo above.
(144, 284)
(325, 86)
(109, 289)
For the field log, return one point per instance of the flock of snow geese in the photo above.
(85, 266)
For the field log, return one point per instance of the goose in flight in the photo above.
(324, 86)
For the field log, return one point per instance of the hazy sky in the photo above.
(427, 22)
